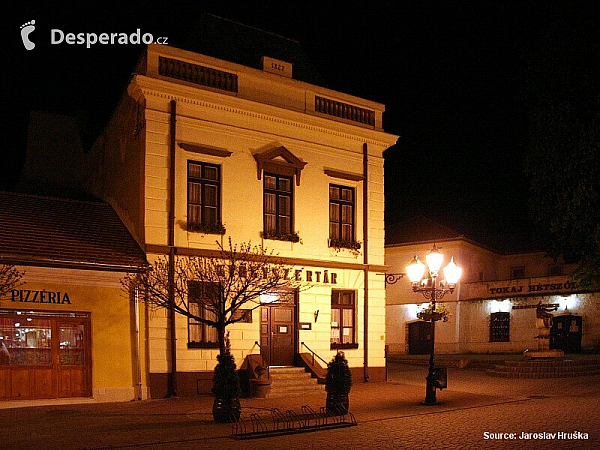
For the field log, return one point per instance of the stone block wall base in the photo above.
(543, 353)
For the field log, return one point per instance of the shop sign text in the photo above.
(27, 296)
(314, 276)
(540, 287)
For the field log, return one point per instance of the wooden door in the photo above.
(419, 338)
(73, 364)
(565, 333)
(277, 334)
(45, 356)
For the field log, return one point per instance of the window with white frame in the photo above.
(200, 334)
(343, 319)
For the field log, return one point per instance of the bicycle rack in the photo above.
(291, 422)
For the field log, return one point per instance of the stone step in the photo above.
(291, 381)
(289, 375)
(281, 382)
(545, 368)
(286, 370)
(559, 374)
(554, 362)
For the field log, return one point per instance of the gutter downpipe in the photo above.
(172, 382)
(366, 258)
(138, 359)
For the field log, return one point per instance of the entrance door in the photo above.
(44, 355)
(72, 366)
(565, 333)
(277, 332)
(419, 338)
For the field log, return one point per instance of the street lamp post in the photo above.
(433, 291)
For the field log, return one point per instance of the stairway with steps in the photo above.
(552, 368)
(287, 381)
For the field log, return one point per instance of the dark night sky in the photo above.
(453, 76)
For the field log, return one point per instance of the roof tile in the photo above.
(69, 233)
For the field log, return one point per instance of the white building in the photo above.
(255, 154)
(493, 308)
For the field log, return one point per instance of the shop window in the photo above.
(204, 194)
(278, 208)
(500, 327)
(26, 341)
(202, 335)
(517, 272)
(341, 216)
(343, 319)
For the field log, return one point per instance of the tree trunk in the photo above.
(221, 338)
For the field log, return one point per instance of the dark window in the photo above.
(245, 315)
(341, 213)
(555, 270)
(500, 327)
(278, 206)
(202, 335)
(343, 319)
(517, 272)
(204, 193)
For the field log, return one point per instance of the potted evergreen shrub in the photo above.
(337, 385)
(226, 387)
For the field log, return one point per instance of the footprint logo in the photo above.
(26, 30)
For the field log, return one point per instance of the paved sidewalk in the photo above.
(389, 416)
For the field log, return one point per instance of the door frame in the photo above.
(29, 373)
(421, 350)
(562, 337)
(268, 348)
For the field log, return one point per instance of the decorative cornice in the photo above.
(203, 149)
(185, 94)
(269, 159)
(344, 175)
(304, 262)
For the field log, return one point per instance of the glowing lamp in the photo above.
(415, 270)
(452, 272)
(434, 260)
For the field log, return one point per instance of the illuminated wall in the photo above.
(487, 288)
(228, 129)
(112, 319)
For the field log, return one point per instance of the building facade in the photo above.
(201, 150)
(498, 302)
(66, 329)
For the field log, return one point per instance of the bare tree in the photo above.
(10, 278)
(234, 278)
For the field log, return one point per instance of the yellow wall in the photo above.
(112, 338)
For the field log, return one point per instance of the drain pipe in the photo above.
(366, 258)
(172, 381)
(138, 359)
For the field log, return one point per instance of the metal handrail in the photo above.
(313, 354)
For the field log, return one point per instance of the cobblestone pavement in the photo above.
(389, 417)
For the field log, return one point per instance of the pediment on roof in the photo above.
(279, 160)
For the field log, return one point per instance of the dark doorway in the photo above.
(565, 333)
(277, 330)
(419, 338)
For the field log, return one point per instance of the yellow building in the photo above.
(67, 330)
(201, 150)
(494, 308)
